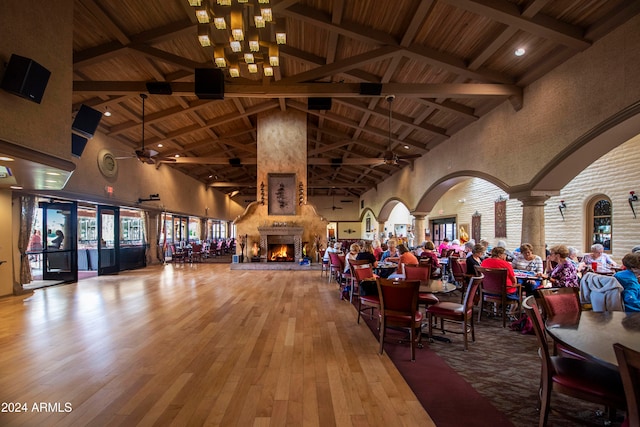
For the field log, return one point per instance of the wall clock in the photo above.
(107, 163)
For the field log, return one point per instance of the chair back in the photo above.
(531, 308)
(472, 290)
(629, 367)
(363, 272)
(334, 260)
(398, 298)
(495, 280)
(556, 301)
(417, 272)
(354, 262)
(458, 266)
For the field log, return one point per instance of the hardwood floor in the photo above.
(191, 345)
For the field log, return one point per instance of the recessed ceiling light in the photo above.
(406, 147)
(177, 155)
(107, 113)
(6, 159)
(519, 52)
(160, 145)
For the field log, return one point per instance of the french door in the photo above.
(59, 231)
(108, 240)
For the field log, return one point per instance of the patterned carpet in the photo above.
(503, 366)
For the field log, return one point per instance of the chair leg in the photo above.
(545, 400)
(382, 329)
(413, 345)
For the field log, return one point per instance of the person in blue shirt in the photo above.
(628, 278)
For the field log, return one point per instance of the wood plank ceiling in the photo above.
(447, 62)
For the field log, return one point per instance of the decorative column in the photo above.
(420, 227)
(533, 223)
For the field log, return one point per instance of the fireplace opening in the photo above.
(280, 252)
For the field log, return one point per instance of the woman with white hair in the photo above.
(597, 257)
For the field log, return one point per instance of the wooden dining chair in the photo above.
(581, 379)
(457, 313)
(494, 291)
(629, 367)
(423, 274)
(399, 309)
(367, 301)
(459, 274)
(559, 301)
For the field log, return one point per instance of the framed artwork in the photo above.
(367, 222)
(476, 226)
(282, 194)
(501, 218)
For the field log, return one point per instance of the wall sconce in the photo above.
(632, 198)
(300, 194)
(561, 207)
(262, 193)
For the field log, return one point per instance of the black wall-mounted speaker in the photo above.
(159, 88)
(86, 121)
(26, 78)
(370, 89)
(235, 162)
(77, 144)
(319, 104)
(209, 83)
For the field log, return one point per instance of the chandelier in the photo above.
(243, 34)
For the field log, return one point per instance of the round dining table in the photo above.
(593, 333)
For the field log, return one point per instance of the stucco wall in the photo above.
(42, 31)
(178, 192)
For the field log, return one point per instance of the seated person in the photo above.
(406, 257)
(564, 274)
(330, 248)
(444, 246)
(455, 245)
(367, 254)
(354, 250)
(598, 256)
(510, 255)
(628, 278)
(525, 260)
(392, 250)
(498, 259)
(475, 260)
(428, 252)
(377, 249)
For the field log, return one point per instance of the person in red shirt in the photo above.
(406, 257)
(498, 259)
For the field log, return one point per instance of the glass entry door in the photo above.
(108, 240)
(59, 231)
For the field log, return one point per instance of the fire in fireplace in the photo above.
(281, 253)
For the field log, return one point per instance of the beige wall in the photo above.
(178, 192)
(42, 31)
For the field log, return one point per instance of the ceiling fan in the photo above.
(333, 204)
(148, 156)
(389, 157)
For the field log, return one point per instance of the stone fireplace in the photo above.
(273, 239)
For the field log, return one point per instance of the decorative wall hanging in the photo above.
(501, 218)
(282, 194)
(475, 226)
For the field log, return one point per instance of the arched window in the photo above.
(600, 223)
